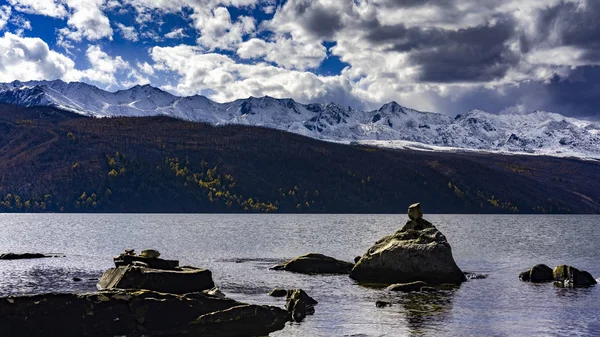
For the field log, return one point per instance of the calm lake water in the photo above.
(240, 248)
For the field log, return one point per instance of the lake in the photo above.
(239, 249)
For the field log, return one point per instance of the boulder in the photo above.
(299, 304)
(313, 263)
(150, 253)
(20, 256)
(135, 313)
(407, 287)
(417, 252)
(278, 292)
(538, 274)
(177, 281)
(414, 211)
(570, 277)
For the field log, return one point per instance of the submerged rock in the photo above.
(313, 263)
(570, 277)
(299, 304)
(135, 313)
(20, 256)
(538, 274)
(407, 287)
(382, 304)
(278, 292)
(177, 281)
(417, 252)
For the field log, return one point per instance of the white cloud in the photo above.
(218, 31)
(52, 8)
(229, 80)
(4, 16)
(103, 67)
(128, 33)
(87, 21)
(176, 34)
(27, 59)
(146, 68)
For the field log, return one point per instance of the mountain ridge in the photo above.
(392, 125)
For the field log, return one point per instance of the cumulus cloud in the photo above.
(128, 33)
(27, 59)
(4, 15)
(176, 34)
(227, 80)
(103, 66)
(87, 21)
(52, 8)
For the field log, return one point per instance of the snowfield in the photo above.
(392, 125)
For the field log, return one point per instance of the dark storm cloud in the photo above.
(416, 3)
(473, 54)
(576, 96)
(315, 18)
(569, 24)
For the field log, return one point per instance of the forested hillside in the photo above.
(51, 160)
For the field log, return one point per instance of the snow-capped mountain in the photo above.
(392, 125)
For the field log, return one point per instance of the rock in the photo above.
(570, 277)
(243, 320)
(414, 211)
(417, 252)
(524, 276)
(16, 256)
(407, 287)
(316, 264)
(129, 258)
(215, 291)
(474, 276)
(382, 304)
(135, 313)
(149, 253)
(278, 292)
(178, 281)
(538, 274)
(299, 304)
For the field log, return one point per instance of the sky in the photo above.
(449, 56)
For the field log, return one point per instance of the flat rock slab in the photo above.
(135, 313)
(313, 263)
(21, 256)
(178, 281)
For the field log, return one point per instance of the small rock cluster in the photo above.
(563, 276)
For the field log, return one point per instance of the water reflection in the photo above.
(424, 312)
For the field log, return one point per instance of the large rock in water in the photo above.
(417, 252)
(538, 274)
(180, 280)
(570, 277)
(313, 263)
(135, 313)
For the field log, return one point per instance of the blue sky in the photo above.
(449, 56)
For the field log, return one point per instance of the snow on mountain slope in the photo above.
(392, 125)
